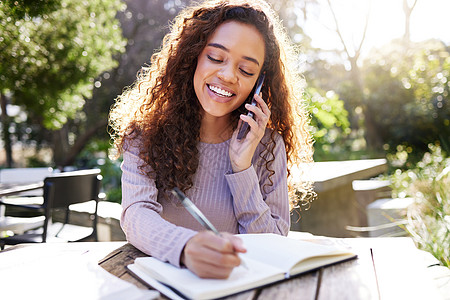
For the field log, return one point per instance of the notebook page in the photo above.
(281, 251)
(195, 287)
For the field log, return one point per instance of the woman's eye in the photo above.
(213, 59)
(247, 73)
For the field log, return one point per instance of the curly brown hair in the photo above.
(162, 108)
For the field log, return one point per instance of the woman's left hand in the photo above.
(242, 151)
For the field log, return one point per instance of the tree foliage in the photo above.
(19, 9)
(408, 91)
(329, 123)
(144, 25)
(56, 62)
(49, 62)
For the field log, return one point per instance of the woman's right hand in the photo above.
(242, 151)
(212, 256)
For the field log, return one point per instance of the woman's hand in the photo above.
(242, 151)
(212, 256)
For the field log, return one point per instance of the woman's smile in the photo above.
(219, 91)
(220, 94)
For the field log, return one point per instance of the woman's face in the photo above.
(228, 67)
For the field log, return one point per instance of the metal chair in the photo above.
(60, 191)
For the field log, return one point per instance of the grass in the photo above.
(429, 218)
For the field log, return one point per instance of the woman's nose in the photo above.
(228, 74)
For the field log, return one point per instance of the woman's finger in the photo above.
(251, 122)
(261, 118)
(262, 104)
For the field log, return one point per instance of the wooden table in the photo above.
(394, 269)
(8, 189)
(57, 271)
(386, 268)
(13, 189)
(336, 205)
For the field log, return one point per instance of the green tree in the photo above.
(48, 62)
(330, 125)
(354, 84)
(19, 9)
(144, 25)
(409, 93)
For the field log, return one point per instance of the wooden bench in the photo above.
(336, 206)
(386, 218)
(387, 212)
(366, 192)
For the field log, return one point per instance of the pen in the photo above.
(197, 214)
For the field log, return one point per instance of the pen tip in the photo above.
(177, 193)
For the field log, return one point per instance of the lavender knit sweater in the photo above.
(233, 202)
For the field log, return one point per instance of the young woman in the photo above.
(177, 126)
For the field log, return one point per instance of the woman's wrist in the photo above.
(237, 169)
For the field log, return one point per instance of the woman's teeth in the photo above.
(219, 91)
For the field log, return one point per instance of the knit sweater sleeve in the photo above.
(141, 220)
(261, 202)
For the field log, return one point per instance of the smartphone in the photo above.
(245, 127)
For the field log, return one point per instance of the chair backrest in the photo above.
(64, 189)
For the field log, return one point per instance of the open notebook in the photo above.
(270, 258)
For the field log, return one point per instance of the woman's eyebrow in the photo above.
(220, 46)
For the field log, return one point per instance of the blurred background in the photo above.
(376, 72)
